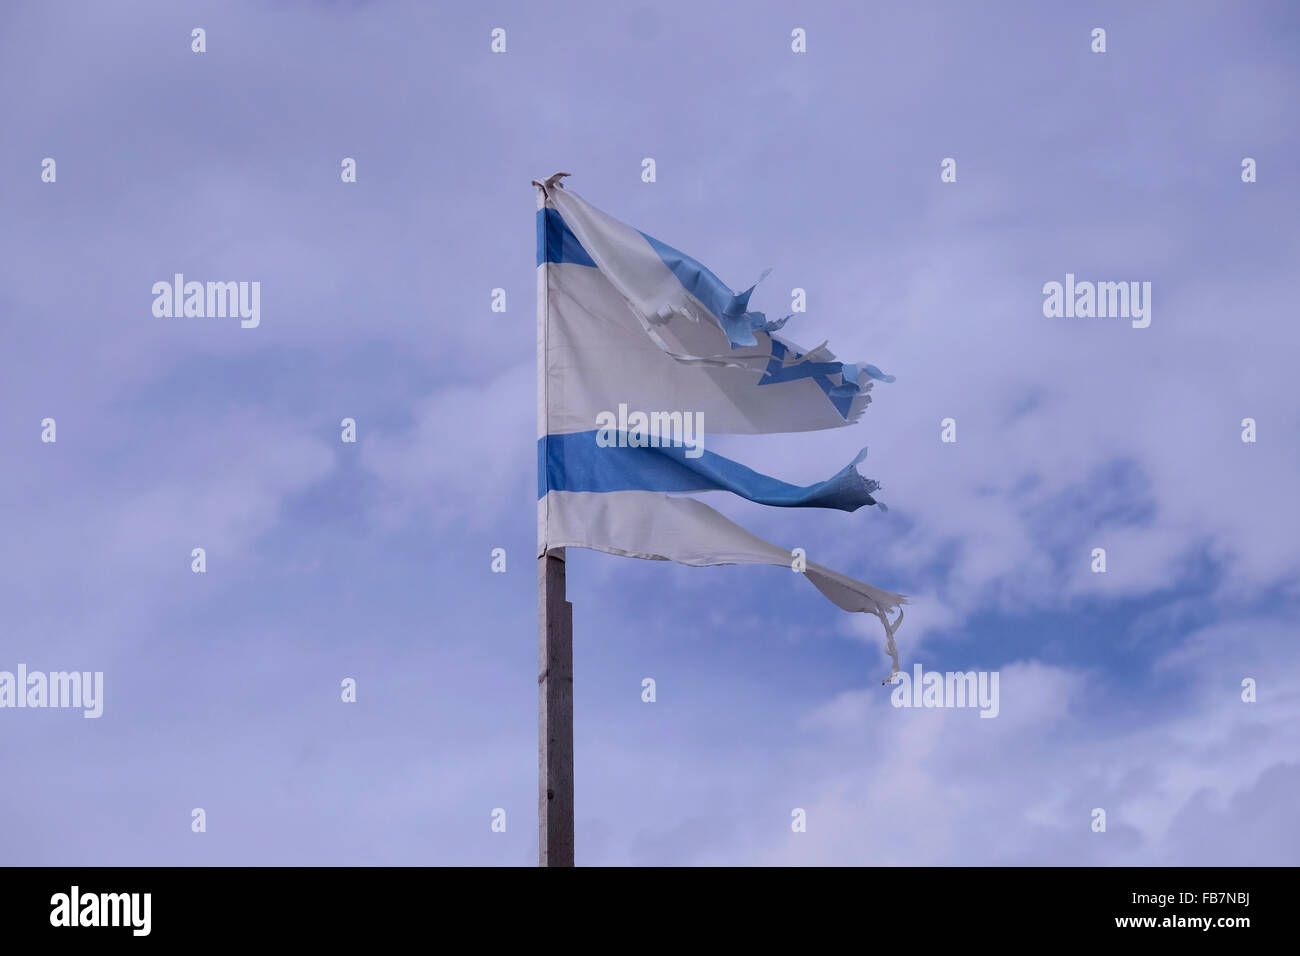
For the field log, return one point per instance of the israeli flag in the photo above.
(641, 349)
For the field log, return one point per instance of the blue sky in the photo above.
(329, 560)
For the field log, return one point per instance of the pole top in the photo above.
(551, 182)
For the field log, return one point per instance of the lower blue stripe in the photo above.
(574, 462)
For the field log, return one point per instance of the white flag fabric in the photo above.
(643, 524)
(625, 321)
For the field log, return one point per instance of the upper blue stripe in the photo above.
(574, 462)
(731, 309)
(556, 241)
(713, 293)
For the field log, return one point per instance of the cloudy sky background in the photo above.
(372, 561)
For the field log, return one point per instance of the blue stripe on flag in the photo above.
(574, 462)
(729, 308)
(556, 241)
(841, 396)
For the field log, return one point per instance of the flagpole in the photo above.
(554, 714)
(554, 647)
